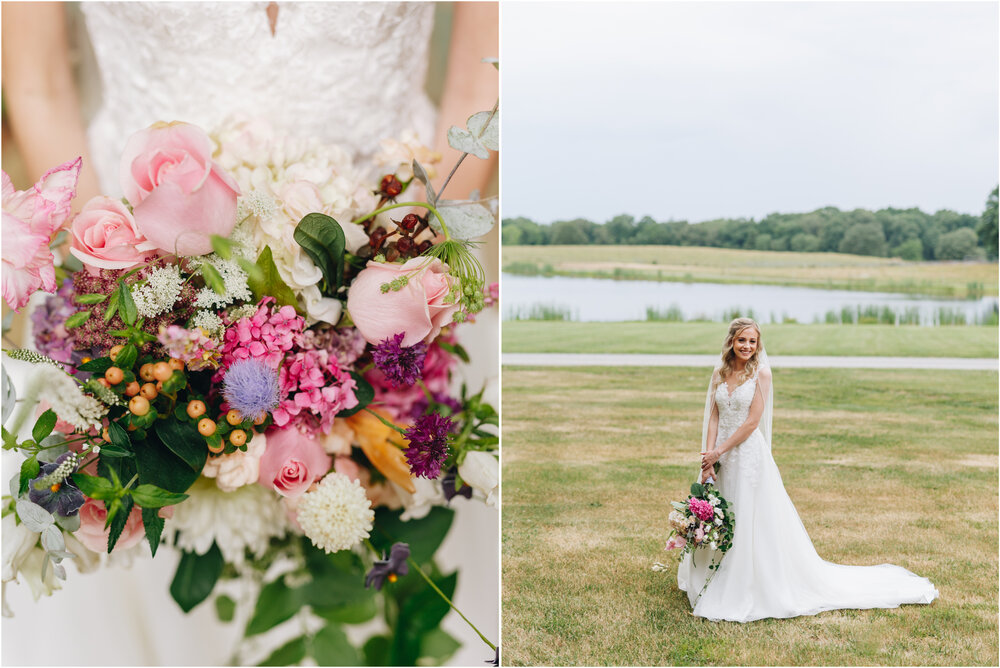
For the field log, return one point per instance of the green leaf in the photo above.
(91, 298)
(94, 487)
(438, 645)
(119, 437)
(424, 536)
(253, 272)
(331, 591)
(289, 654)
(225, 608)
(127, 304)
(697, 489)
(77, 319)
(109, 450)
(213, 278)
(419, 613)
(126, 357)
(177, 381)
(277, 603)
(153, 524)
(98, 365)
(330, 647)
(455, 349)
(29, 471)
(113, 302)
(119, 520)
(157, 465)
(322, 238)
(44, 425)
(376, 651)
(364, 392)
(184, 441)
(196, 577)
(269, 283)
(355, 612)
(151, 496)
(222, 246)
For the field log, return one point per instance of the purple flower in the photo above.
(428, 445)
(48, 324)
(58, 493)
(251, 387)
(448, 487)
(388, 569)
(422, 404)
(402, 366)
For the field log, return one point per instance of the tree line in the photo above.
(910, 234)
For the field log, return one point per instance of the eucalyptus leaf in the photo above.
(70, 524)
(33, 516)
(59, 571)
(9, 394)
(466, 219)
(481, 137)
(421, 175)
(52, 539)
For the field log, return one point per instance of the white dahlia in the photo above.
(337, 515)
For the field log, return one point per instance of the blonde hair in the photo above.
(728, 356)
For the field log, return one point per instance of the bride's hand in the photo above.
(708, 460)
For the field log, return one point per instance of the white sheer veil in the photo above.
(766, 417)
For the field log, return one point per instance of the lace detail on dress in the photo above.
(344, 73)
(743, 461)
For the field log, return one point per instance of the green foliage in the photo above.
(864, 239)
(277, 602)
(424, 536)
(987, 228)
(153, 524)
(330, 647)
(158, 465)
(126, 357)
(118, 514)
(269, 282)
(94, 486)
(289, 654)
(364, 392)
(225, 608)
(29, 471)
(184, 441)
(44, 425)
(959, 244)
(196, 577)
(77, 319)
(322, 238)
(911, 249)
(126, 305)
(151, 496)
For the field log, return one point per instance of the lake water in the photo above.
(601, 299)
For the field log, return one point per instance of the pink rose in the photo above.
(178, 194)
(95, 537)
(420, 308)
(291, 462)
(675, 542)
(104, 236)
(30, 218)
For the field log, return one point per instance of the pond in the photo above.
(601, 299)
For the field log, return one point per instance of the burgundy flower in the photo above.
(428, 445)
(402, 366)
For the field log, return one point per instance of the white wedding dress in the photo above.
(772, 569)
(344, 73)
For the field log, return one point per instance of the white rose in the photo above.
(320, 308)
(354, 236)
(481, 471)
(238, 468)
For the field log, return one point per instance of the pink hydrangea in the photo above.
(399, 402)
(315, 389)
(267, 335)
(703, 510)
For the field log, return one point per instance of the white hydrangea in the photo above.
(337, 515)
(160, 292)
(67, 399)
(245, 519)
(234, 283)
(210, 322)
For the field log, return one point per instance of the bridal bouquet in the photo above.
(249, 357)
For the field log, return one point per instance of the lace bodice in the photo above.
(339, 72)
(743, 460)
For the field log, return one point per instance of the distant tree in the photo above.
(863, 239)
(570, 232)
(987, 228)
(911, 249)
(958, 244)
(763, 242)
(779, 244)
(620, 229)
(804, 243)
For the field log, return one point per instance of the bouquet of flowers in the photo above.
(249, 357)
(704, 520)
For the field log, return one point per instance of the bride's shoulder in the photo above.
(764, 373)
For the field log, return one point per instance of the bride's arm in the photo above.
(713, 431)
(752, 422)
(469, 86)
(39, 92)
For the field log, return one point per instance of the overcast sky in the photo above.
(693, 111)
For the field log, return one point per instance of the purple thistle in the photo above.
(428, 445)
(387, 568)
(251, 387)
(401, 366)
(421, 405)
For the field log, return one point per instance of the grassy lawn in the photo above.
(533, 336)
(883, 466)
(722, 265)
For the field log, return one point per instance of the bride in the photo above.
(772, 569)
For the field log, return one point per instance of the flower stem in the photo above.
(447, 600)
(429, 207)
(387, 423)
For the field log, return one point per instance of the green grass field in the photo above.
(883, 466)
(527, 336)
(722, 265)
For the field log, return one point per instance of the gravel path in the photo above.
(777, 361)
